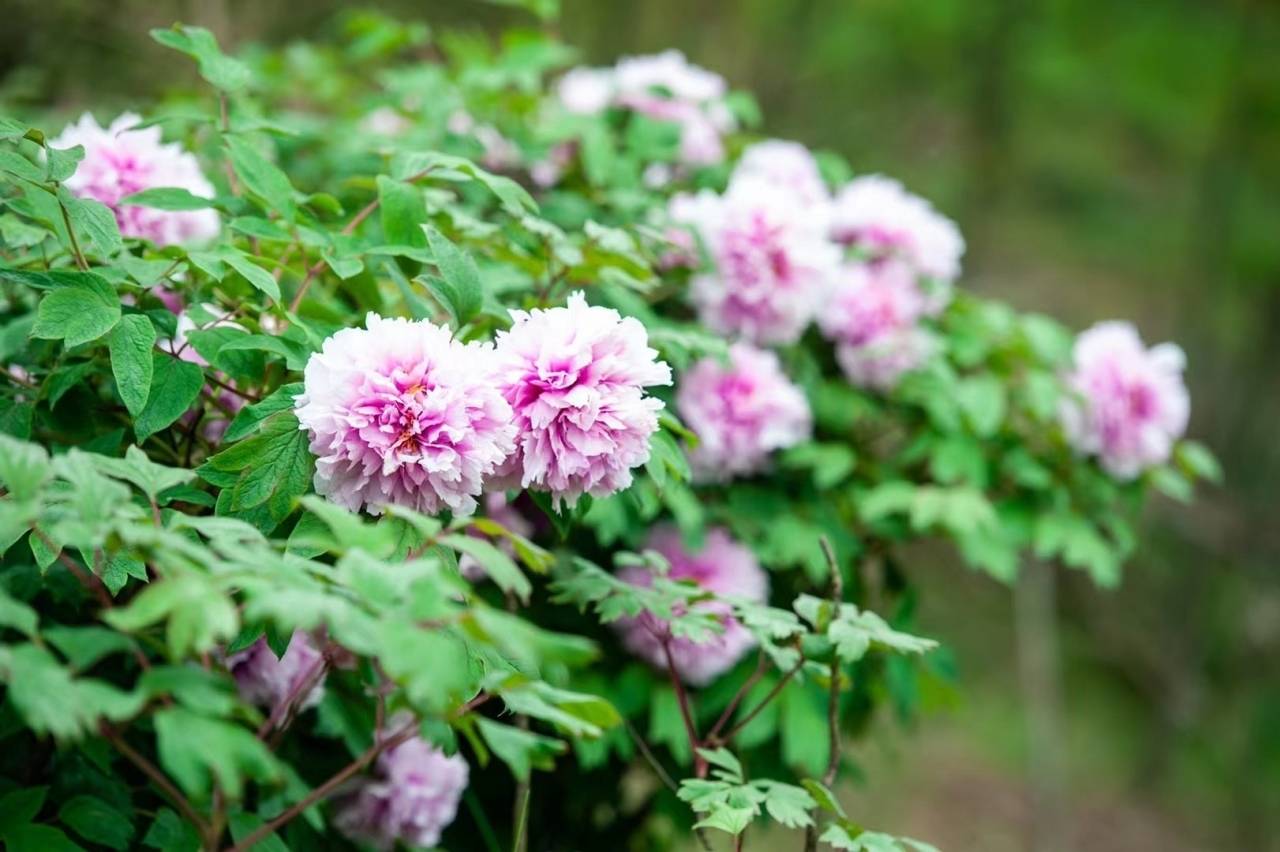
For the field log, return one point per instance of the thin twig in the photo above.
(71, 235)
(650, 757)
(833, 700)
(371, 754)
(284, 709)
(520, 842)
(91, 582)
(755, 711)
(686, 712)
(157, 777)
(762, 664)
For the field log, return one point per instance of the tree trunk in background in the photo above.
(1039, 670)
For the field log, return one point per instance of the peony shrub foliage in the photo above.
(418, 440)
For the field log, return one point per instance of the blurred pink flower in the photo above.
(771, 255)
(410, 798)
(723, 567)
(869, 301)
(575, 378)
(875, 214)
(741, 412)
(270, 681)
(789, 165)
(401, 412)
(880, 364)
(1130, 403)
(119, 162)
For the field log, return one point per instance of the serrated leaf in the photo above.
(458, 288)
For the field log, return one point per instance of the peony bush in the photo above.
(419, 441)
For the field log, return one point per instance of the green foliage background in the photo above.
(1104, 159)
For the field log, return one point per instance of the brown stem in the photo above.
(686, 713)
(761, 665)
(356, 221)
(649, 756)
(764, 702)
(371, 754)
(833, 700)
(71, 235)
(157, 777)
(91, 582)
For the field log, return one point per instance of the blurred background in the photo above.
(1104, 160)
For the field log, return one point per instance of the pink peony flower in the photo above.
(575, 377)
(741, 411)
(586, 91)
(410, 798)
(789, 165)
(877, 215)
(500, 511)
(671, 74)
(400, 412)
(772, 259)
(270, 681)
(723, 567)
(880, 364)
(119, 162)
(869, 301)
(1130, 403)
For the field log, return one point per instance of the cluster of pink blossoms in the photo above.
(664, 86)
(723, 567)
(411, 797)
(771, 259)
(120, 161)
(742, 411)
(1130, 404)
(777, 241)
(401, 413)
(270, 681)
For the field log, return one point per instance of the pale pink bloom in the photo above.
(385, 121)
(875, 214)
(868, 301)
(575, 378)
(547, 172)
(1129, 404)
(772, 260)
(410, 798)
(499, 510)
(741, 412)
(586, 91)
(217, 418)
(402, 413)
(789, 165)
(722, 566)
(119, 161)
(670, 74)
(272, 682)
(881, 363)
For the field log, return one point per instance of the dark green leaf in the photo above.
(81, 310)
(131, 362)
(175, 386)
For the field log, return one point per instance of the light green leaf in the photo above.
(81, 310)
(222, 71)
(131, 342)
(458, 288)
(261, 177)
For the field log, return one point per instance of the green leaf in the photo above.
(39, 838)
(51, 701)
(130, 344)
(17, 615)
(167, 198)
(500, 567)
(520, 750)
(199, 615)
(402, 212)
(95, 220)
(171, 833)
(249, 418)
(96, 821)
(260, 278)
(261, 177)
(243, 824)
(81, 310)
(1197, 460)
(459, 288)
(175, 386)
(61, 163)
(20, 806)
(198, 750)
(222, 71)
(84, 646)
(263, 476)
(138, 469)
(24, 467)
